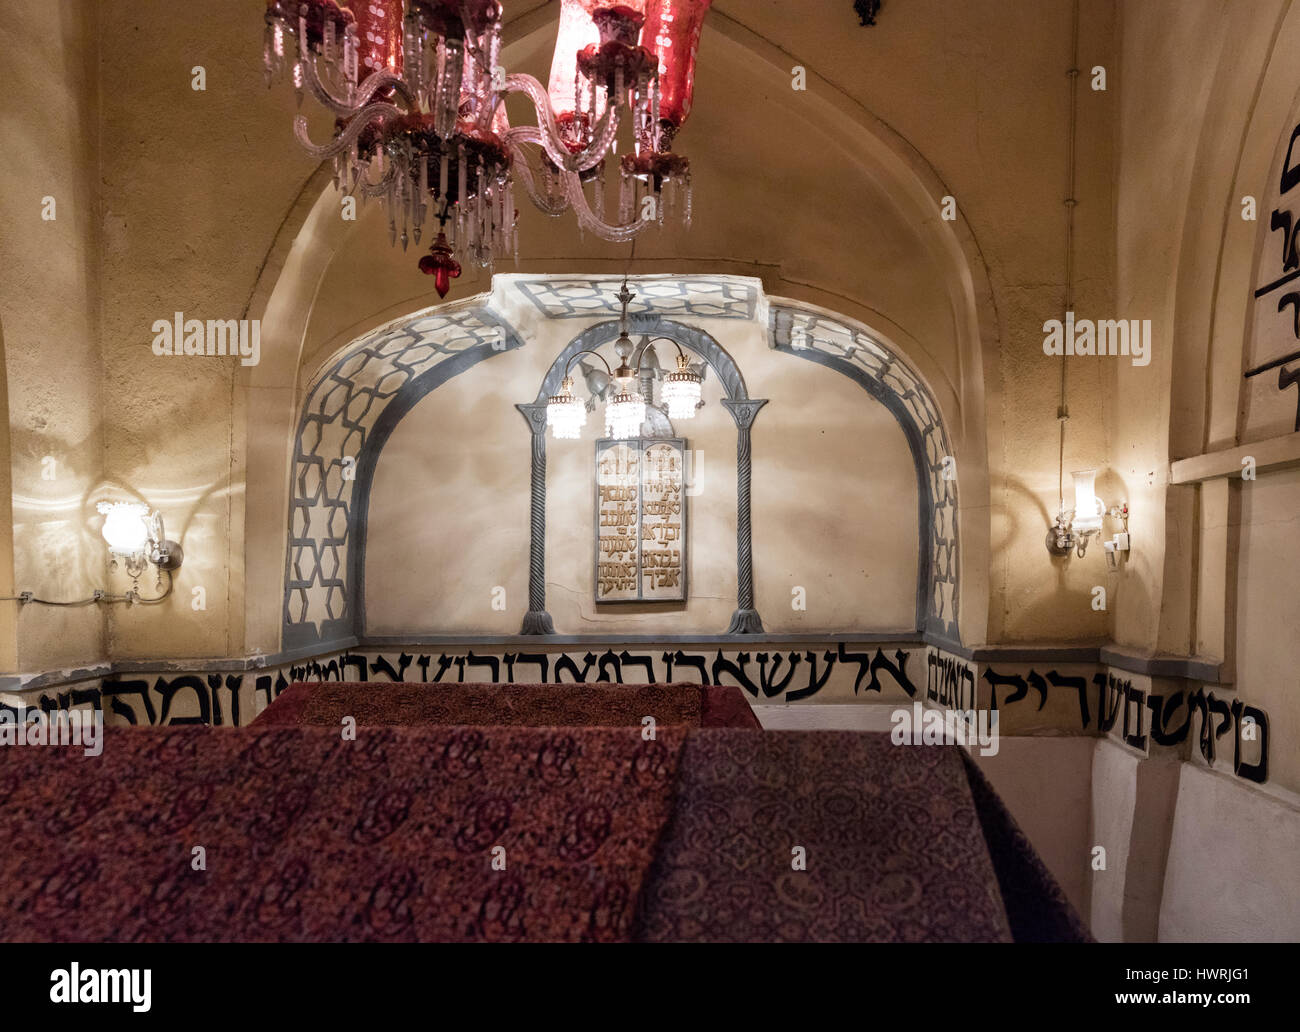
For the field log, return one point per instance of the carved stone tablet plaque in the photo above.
(641, 520)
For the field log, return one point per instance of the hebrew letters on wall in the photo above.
(640, 521)
(1272, 395)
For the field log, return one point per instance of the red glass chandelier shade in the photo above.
(577, 32)
(379, 35)
(672, 32)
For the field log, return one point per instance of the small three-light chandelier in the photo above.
(419, 103)
(625, 411)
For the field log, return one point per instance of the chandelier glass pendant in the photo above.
(625, 407)
(566, 414)
(625, 412)
(682, 389)
(418, 97)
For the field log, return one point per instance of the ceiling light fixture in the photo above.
(566, 415)
(625, 410)
(418, 98)
(682, 389)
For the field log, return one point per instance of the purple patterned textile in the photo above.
(308, 836)
(891, 835)
(597, 704)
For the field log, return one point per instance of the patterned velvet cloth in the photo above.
(510, 705)
(308, 837)
(606, 837)
(890, 836)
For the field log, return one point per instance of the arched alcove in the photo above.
(354, 405)
(349, 412)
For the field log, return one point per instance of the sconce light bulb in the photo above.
(1088, 508)
(126, 528)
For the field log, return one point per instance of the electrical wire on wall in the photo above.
(1063, 409)
(133, 597)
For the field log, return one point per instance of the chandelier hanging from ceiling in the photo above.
(626, 401)
(418, 98)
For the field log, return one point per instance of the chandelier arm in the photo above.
(374, 82)
(379, 189)
(587, 219)
(321, 92)
(670, 341)
(515, 139)
(546, 204)
(345, 139)
(588, 351)
(602, 136)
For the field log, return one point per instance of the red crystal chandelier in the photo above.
(418, 98)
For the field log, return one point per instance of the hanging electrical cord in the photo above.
(132, 597)
(1063, 409)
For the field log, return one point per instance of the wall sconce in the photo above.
(1073, 527)
(137, 536)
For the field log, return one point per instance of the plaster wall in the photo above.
(1268, 613)
(1058, 821)
(49, 325)
(174, 199)
(1163, 98)
(844, 240)
(193, 200)
(1114, 798)
(1232, 866)
(194, 188)
(1204, 96)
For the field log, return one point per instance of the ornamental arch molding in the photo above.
(349, 411)
(311, 238)
(841, 344)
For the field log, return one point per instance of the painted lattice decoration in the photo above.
(338, 417)
(813, 335)
(699, 298)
